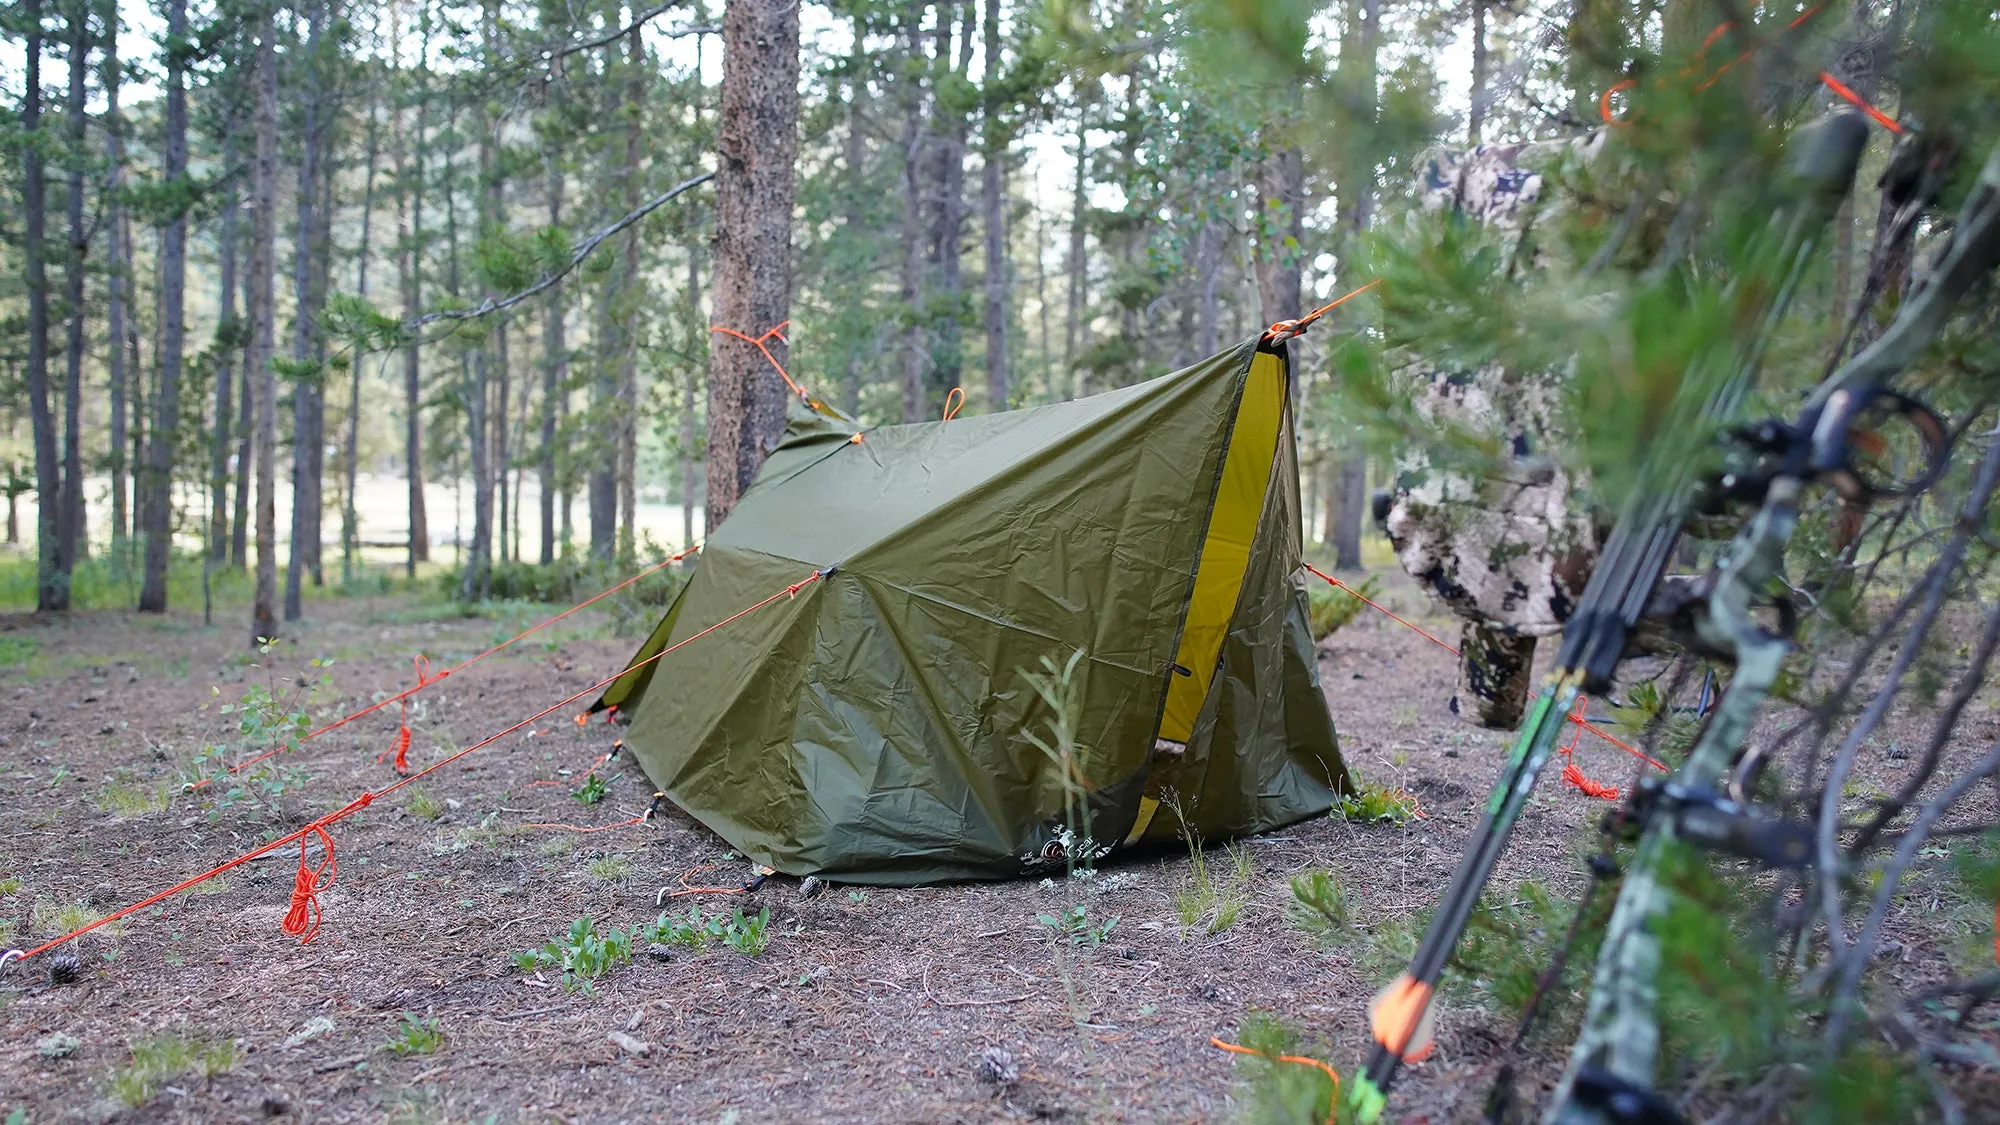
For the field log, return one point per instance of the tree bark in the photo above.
(1358, 192)
(409, 236)
(246, 461)
(51, 582)
(308, 450)
(993, 204)
(115, 278)
(263, 331)
(757, 148)
(72, 536)
(555, 374)
(350, 519)
(947, 214)
(632, 299)
(173, 326)
(1475, 117)
(225, 373)
(1076, 327)
(688, 381)
(1281, 184)
(916, 144)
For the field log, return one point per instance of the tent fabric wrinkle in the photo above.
(876, 728)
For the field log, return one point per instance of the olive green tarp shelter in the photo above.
(875, 727)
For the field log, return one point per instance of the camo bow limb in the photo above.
(1611, 1068)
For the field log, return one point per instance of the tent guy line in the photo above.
(311, 881)
(400, 747)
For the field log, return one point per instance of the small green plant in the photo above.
(580, 956)
(1332, 607)
(125, 797)
(749, 936)
(1319, 906)
(557, 846)
(1073, 925)
(1206, 899)
(1379, 805)
(422, 805)
(594, 789)
(160, 1057)
(610, 868)
(1274, 1088)
(61, 918)
(414, 1036)
(9, 886)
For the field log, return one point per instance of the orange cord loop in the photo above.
(302, 920)
(951, 407)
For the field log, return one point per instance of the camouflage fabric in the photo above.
(1506, 551)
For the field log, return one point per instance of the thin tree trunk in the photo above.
(1475, 117)
(687, 436)
(51, 581)
(947, 216)
(993, 200)
(307, 450)
(173, 279)
(916, 145)
(72, 535)
(350, 520)
(264, 333)
(225, 373)
(633, 297)
(115, 271)
(1358, 188)
(409, 236)
(757, 150)
(555, 374)
(246, 460)
(1076, 328)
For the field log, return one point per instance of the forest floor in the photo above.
(870, 1005)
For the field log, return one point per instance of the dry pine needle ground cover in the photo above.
(942, 1004)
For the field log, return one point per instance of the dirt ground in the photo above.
(868, 1006)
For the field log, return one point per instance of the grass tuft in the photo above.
(160, 1057)
(414, 1036)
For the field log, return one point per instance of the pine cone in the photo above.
(65, 968)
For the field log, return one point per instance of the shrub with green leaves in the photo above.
(1378, 805)
(748, 936)
(581, 956)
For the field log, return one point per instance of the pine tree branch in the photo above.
(551, 53)
(582, 251)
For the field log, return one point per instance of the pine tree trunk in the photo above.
(350, 520)
(246, 460)
(72, 536)
(947, 216)
(916, 146)
(1475, 117)
(51, 582)
(555, 375)
(115, 271)
(307, 381)
(632, 298)
(173, 326)
(263, 331)
(993, 205)
(757, 149)
(1076, 328)
(1281, 184)
(409, 234)
(689, 467)
(1357, 190)
(225, 372)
